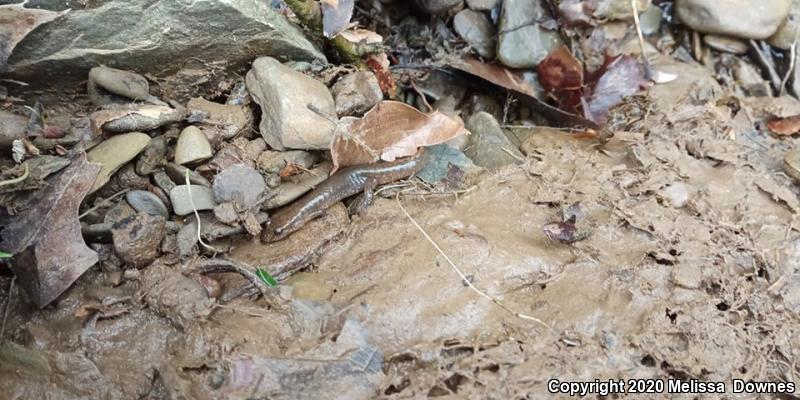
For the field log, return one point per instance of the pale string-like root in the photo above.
(461, 274)
(197, 215)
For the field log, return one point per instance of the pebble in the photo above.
(240, 184)
(202, 196)
(221, 121)
(482, 5)
(746, 19)
(784, 37)
(522, 42)
(489, 146)
(163, 181)
(356, 93)
(650, 20)
(116, 82)
(147, 202)
(226, 213)
(272, 162)
(137, 239)
(178, 174)
(193, 147)
(476, 29)
(152, 156)
(435, 6)
(725, 43)
(113, 153)
(791, 163)
(284, 95)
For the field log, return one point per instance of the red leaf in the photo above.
(785, 126)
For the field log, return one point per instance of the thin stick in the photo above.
(197, 215)
(422, 96)
(518, 158)
(648, 70)
(7, 307)
(322, 114)
(17, 180)
(792, 61)
(461, 274)
(103, 203)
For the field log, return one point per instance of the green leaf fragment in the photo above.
(266, 277)
(5, 255)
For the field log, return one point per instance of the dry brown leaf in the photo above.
(46, 241)
(16, 22)
(389, 131)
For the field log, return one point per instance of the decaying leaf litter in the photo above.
(583, 213)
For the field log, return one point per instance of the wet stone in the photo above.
(240, 184)
(476, 29)
(747, 19)
(147, 202)
(202, 197)
(137, 239)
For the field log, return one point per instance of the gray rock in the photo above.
(158, 38)
(114, 153)
(356, 93)
(202, 197)
(240, 184)
(435, 6)
(489, 147)
(193, 147)
(650, 20)
(747, 19)
(137, 239)
(482, 5)
(153, 155)
(147, 202)
(177, 173)
(617, 9)
(163, 181)
(784, 37)
(522, 42)
(110, 85)
(284, 95)
(476, 29)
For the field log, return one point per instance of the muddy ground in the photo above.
(688, 271)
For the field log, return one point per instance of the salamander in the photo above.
(341, 185)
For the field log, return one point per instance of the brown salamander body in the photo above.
(343, 184)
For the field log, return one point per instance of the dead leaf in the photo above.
(49, 251)
(561, 76)
(379, 64)
(512, 81)
(388, 131)
(618, 78)
(785, 126)
(336, 15)
(16, 22)
(153, 114)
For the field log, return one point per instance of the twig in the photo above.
(792, 61)
(422, 96)
(461, 274)
(6, 308)
(322, 114)
(648, 70)
(17, 180)
(766, 62)
(516, 157)
(103, 203)
(196, 215)
(216, 265)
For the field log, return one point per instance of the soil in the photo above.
(687, 272)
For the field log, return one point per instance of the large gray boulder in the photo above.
(200, 40)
